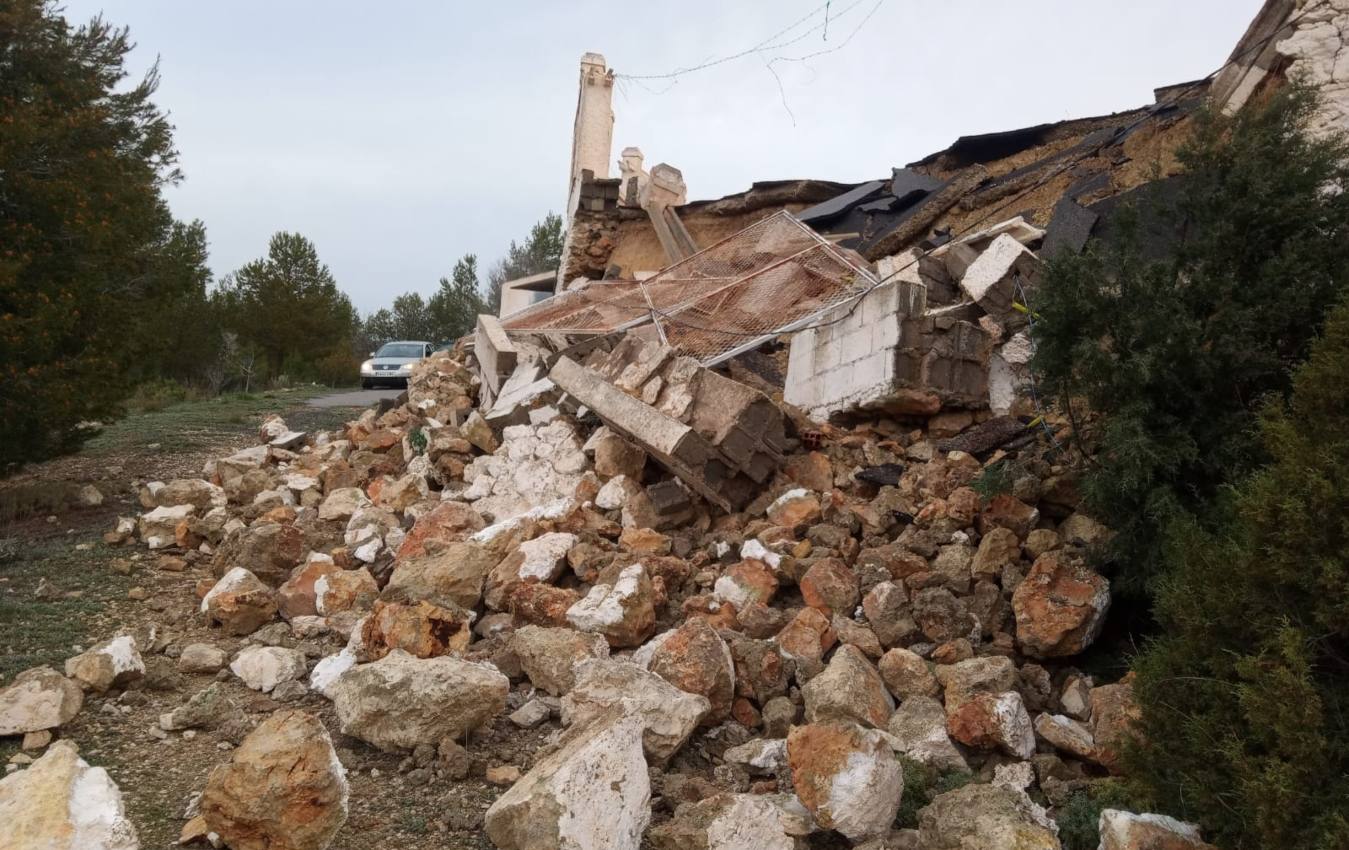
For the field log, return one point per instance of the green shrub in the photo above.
(1246, 697)
(921, 784)
(157, 395)
(1176, 353)
(1079, 818)
(997, 479)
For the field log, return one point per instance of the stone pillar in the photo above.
(632, 175)
(592, 136)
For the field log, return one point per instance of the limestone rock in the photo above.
(549, 656)
(746, 582)
(992, 674)
(345, 590)
(795, 507)
(1114, 715)
(446, 523)
(1069, 735)
(114, 662)
(1060, 607)
(616, 456)
(401, 701)
(453, 574)
(282, 789)
(423, 629)
(297, 596)
(847, 777)
(592, 792)
(1127, 831)
(209, 708)
(262, 668)
(985, 817)
(906, 674)
(724, 822)
(668, 715)
(889, 613)
(918, 728)
(342, 502)
(201, 658)
(696, 660)
(157, 529)
(239, 602)
(848, 689)
(61, 803)
(986, 721)
(38, 699)
(830, 586)
(806, 639)
(620, 606)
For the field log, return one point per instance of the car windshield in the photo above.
(399, 349)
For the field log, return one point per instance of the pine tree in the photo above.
(1246, 698)
(1176, 354)
(455, 307)
(541, 252)
(287, 304)
(86, 240)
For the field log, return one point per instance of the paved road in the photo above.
(355, 398)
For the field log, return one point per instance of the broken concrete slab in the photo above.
(991, 280)
(726, 474)
(495, 352)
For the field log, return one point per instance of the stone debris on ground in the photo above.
(715, 612)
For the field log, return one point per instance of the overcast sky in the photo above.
(401, 135)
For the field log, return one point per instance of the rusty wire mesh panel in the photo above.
(729, 297)
(781, 275)
(599, 308)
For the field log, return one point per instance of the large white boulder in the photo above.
(592, 793)
(401, 700)
(61, 803)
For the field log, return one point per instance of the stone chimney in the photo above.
(592, 137)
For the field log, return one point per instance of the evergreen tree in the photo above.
(287, 304)
(1175, 354)
(541, 252)
(87, 244)
(455, 307)
(1246, 698)
(411, 317)
(378, 328)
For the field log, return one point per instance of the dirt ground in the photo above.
(62, 589)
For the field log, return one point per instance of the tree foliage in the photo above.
(1175, 354)
(87, 245)
(1246, 698)
(541, 252)
(455, 307)
(288, 306)
(451, 312)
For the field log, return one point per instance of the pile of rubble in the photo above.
(743, 628)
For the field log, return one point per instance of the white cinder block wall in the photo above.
(849, 360)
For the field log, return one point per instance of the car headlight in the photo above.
(367, 366)
(406, 367)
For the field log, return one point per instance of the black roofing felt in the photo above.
(1069, 228)
(840, 204)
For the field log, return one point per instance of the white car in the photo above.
(392, 364)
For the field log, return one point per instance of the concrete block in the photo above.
(855, 346)
(885, 334)
(989, 279)
(494, 350)
(828, 355)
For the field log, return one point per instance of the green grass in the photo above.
(192, 425)
(34, 632)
